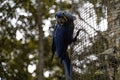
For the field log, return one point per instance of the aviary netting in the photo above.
(95, 55)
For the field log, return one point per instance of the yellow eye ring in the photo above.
(64, 16)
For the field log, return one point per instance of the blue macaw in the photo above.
(62, 37)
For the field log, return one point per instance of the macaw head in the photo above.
(64, 16)
(60, 17)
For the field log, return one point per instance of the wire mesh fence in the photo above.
(95, 55)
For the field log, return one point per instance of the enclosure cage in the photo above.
(96, 53)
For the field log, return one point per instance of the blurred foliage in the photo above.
(20, 16)
(15, 54)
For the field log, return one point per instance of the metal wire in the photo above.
(94, 54)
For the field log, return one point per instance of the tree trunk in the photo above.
(40, 42)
